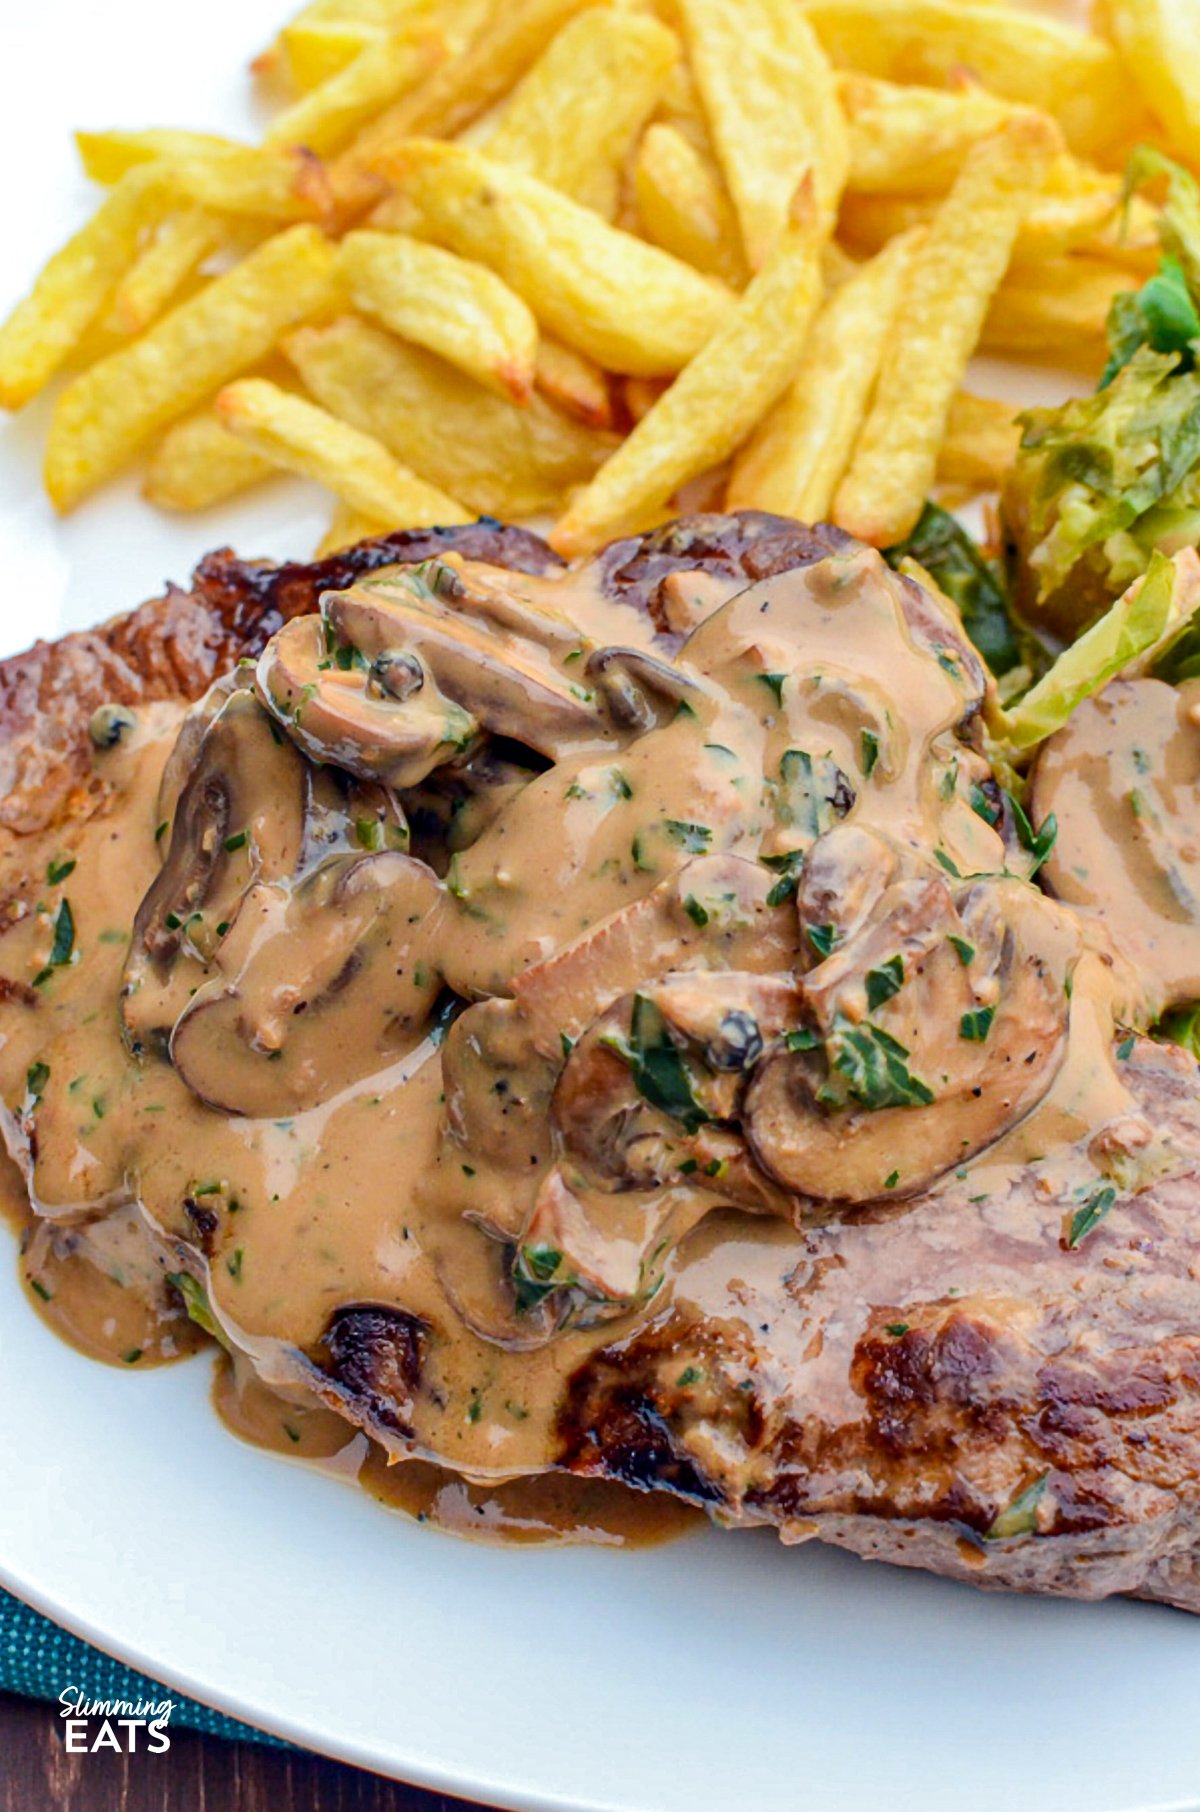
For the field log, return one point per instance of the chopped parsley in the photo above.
(976, 1025)
(870, 752)
(59, 869)
(63, 945)
(659, 1071)
(885, 981)
(871, 1062)
(1086, 1219)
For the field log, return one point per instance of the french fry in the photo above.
(1076, 203)
(107, 413)
(795, 460)
(457, 308)
(717, 399)
(953, 279)
(198, 462)
(683, 207)
(458, 91)
(46, 326)
(573, 384)
(627, 305)
(1020, 55)
(346, 527)
(501, 460)
(1058, 310)
(183, 241)
(772, 107)
(1160, 41)
(573, 118)
(107, 156)
(980, 444)
(300, 437)
(909, 140)
(313, 50)
(329, 116)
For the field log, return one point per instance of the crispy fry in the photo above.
(717, 399)
(346, 527)
(1059, 311)
(1020, 55)
(953, 278)
(459, 91)
(499, 459)
(625, 304)
(183, 241)
(772, 107)
(387, 68)
(198, 462)
(45, 327)
(107, 156)
(574, 384)
(980, 444)
(909, 140)
(683, 206)
(300, 437)
(314, 50)
(457, 308)
(795, 461)
(573, 118)
(1160, 41)
(1076, 202)
(104, 417)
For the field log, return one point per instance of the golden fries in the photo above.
(346, 527)
(183, 241)
(795, 461)
(501, 50)
(1160, 41)
(331, 114)
(104, 417)
(981, 443)
(500, 459)
(952, 281)
(1019, 55)
(625, 304)
(302, 438)
(45, 327)
(573, 118)
(683, 207)
(772, 108)
(574, 384)
(1057, 310)
(909, 140)
(107, 156)
(459, 309)
(717, 399)
(198, 462)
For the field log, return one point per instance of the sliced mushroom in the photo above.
(186, 750)
(240, 817)
(712, 914)
(333, 714)
(641, 690)
(934, 1027)
(321, 984)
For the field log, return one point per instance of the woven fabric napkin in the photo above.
(40, 1660)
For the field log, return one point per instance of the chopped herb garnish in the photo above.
(1039, 843)
(891, 1179)
(659, 1072)
(620, 784)
(368, 833)
(1125, 1048)
(59, 869)
(872, 1063)
(475, 1406)
(896, 1328)
(172, 921)
(951, 867)
(293, 1434)
(233, 1264)
(885, 981)
(132, 1356)
(789, 868)
(774, 681)
(975, 1025)
(637, 851)
(695, 911)
(802, 1039)
(534, 1275)
(567, 1043)
(63, 945)
(1086, 1219)
(39, 1289)
(161, 831)
(237, 841)
(822, 938)
(966, 951)
(691, 1374)
(870, 752)
(694, 837)
(1020, 1516)
(36, 1078)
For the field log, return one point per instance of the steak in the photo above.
(954, 1382)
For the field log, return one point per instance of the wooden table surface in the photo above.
(199, 1774)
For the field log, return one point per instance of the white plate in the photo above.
(720, 1672)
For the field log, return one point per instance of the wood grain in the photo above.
(199, 1774)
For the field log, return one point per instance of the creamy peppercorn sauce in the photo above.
(486, 956)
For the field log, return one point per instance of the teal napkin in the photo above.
(40, 1660)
